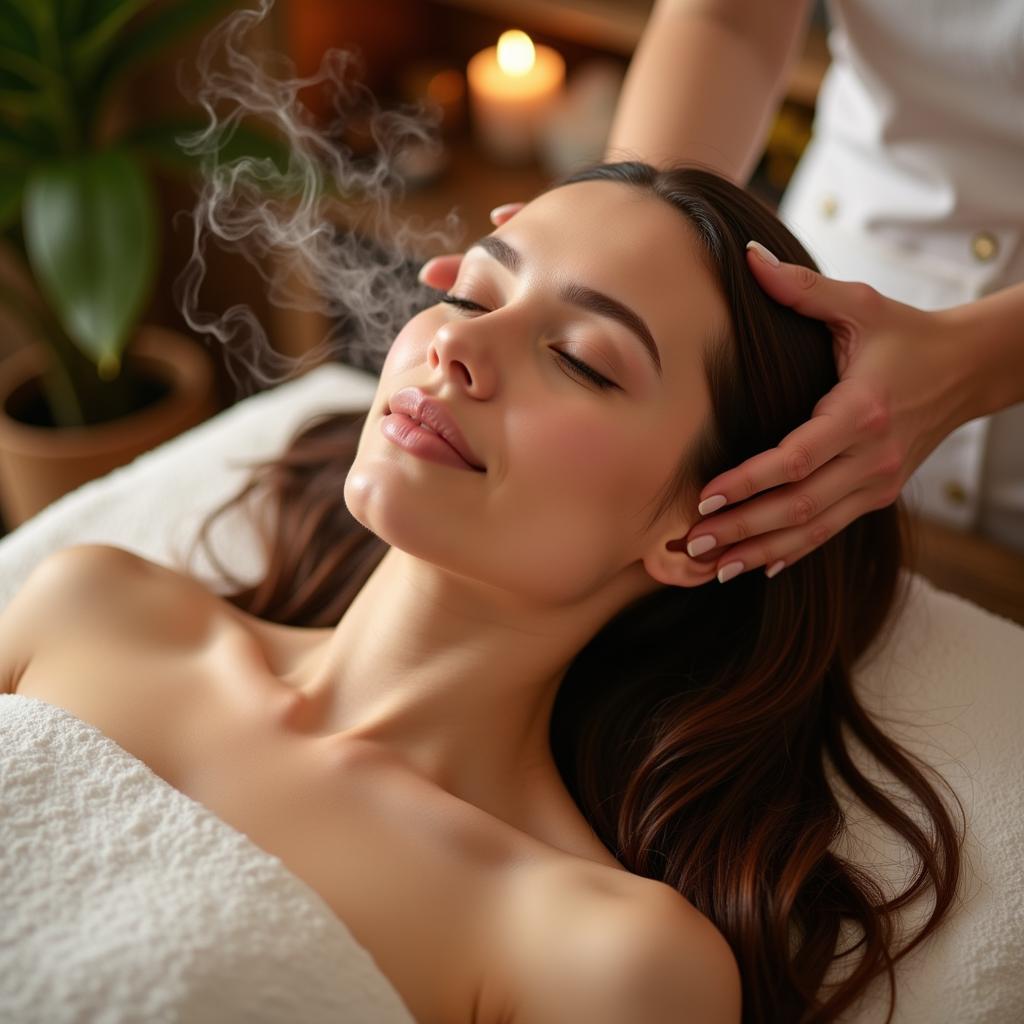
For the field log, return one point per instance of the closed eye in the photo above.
(575, 366)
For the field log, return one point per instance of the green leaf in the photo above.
(22, 102)
(95, 11)
(24, 141)
(71, 18)
(12, 185)
(91, 235)
(159, 142)
(16, 31)
(14, 153)
(20, 70)
(155, 34)
(89, 49)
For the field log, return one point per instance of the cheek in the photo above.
(569, 505)
(595, 461)
(410, 346)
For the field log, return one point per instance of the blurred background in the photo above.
(522, 90)
(419, 51)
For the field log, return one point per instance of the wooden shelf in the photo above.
(976, 568)
(599, 23)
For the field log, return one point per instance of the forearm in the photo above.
(705, 81)
(989, 334)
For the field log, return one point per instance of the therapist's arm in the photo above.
(991, 331)
(705, 81)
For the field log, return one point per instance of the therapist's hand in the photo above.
(899, 394)
(442, 271)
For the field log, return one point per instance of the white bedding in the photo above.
(123, 900)
(952, 670)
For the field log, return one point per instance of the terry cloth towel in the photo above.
(946, 681)
(123, 900)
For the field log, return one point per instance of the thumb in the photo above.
(441, 271)
(807, 291)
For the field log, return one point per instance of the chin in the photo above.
(373, 503)
(358, 494)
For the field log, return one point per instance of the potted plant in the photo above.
(93, 389)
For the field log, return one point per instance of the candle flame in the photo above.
(516, 54)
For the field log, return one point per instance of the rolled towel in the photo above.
(122, 899)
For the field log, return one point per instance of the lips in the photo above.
(432, 413)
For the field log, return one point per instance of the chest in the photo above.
(414, 873)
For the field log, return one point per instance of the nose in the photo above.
(464, 350)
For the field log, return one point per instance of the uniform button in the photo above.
(985, 246)
(955, 492)
(829, 206)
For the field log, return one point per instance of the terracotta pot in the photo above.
(40, 464)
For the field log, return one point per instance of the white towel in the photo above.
(947, 682)
(122, 899)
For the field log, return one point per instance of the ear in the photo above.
(668, 561)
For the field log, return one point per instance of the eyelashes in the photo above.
(575, 366)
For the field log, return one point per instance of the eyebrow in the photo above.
(578, 295)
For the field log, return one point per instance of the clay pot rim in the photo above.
(189, 375)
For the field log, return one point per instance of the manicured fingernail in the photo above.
(765, 254)
(712, 504)
(775, 569)
(699, 545)
(499, 210)
(423, 271)
(727, 572)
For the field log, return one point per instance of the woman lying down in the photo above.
(483, 702)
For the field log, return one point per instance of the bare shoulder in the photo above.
(34, 607)
(673, 964)
(80, 561)
(625, 950)
(68, 587)
(80, 571)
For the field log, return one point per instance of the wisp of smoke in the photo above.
(286, 224)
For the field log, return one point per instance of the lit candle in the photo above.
(512, 87)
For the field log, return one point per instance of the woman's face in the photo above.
(571, 468)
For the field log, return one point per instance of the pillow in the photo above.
(154, 505)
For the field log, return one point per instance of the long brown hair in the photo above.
(695, 729)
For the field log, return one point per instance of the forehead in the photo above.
(634, 247)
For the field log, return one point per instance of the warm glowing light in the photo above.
(512, 88)
(516, 54)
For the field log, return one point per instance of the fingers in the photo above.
(785, 523)
(500, 214)
(788, 523)
(781, 549)
(791, 506)
(832, 429)
(441, 271)
(810, 293)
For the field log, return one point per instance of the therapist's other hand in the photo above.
(899, 394)
(442, 271)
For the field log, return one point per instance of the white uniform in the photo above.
(914, 182)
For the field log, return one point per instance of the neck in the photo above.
(457, 677)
